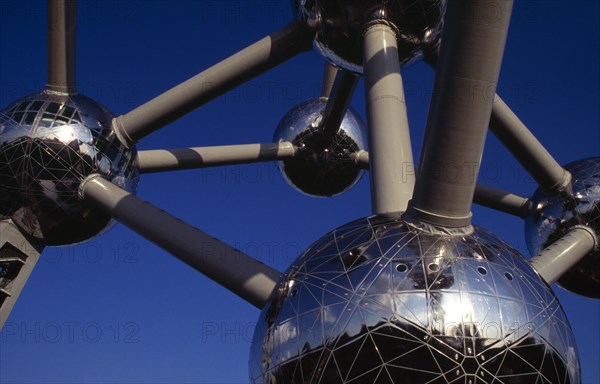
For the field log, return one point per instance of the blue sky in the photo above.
(118, 309)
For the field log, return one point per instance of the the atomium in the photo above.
(380, 300)
(555, 215)
(339, 26)
(49, 143)
(324, 165)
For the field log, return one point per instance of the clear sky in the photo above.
(118, 309)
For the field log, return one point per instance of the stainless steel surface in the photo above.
(339, 26)
(162, 160)
(248, 278)
(48, 144)
(242, 66)
(555, 215)
(323, 165)
(459, 112)
(392, 172)
(381, 301)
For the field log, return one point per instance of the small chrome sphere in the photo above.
(381, 300)
(555, 215)
(339, 26)
(49, 143)
(323, 165)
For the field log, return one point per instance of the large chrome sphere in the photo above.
(380, 300)
(324, 165)
(555, 215)
(339, 25)
(48, 144)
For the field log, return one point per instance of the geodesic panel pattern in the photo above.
(379, 300)
(555, 215)
(323, 165)
(339, 25)
(48, 144)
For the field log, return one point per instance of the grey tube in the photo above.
(61, 46)
(526, 148)
(213, 82)
(162, 160)
(391, 160)
(362, 159)
(460, 110)
(18, 256)
(502, 201)
(338, 101)
(229, 267)
(497, 199)
(552, 262)
(328, 78)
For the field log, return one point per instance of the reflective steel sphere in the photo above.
(339, 26)
(48, 144)
(324, 165)
(555, 215)
(380, 300)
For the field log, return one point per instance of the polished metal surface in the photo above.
(339, 25)
(324, 164)
(380, 300)
(48, 144)
(553, 216)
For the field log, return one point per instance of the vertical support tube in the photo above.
(61, 46)
(390, 152)
(468, 70)
(552, 262)
(18, 257)
(229, 267)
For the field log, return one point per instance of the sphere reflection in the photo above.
(555, 215)
(380, 300)
(339, 26)
(323, 165)
(48, 144)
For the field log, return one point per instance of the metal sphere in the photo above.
(380, 300)
(555, 215)
(49, 143)
(339, 26)
(323, 166)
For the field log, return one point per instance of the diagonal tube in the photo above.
(526, 148)
(391, 159)
(502, 201)
(459, 114)
(556, 259)
(229, 267)
(61, 46)
(329, 74)
(161, 160)
(337, 101)
(213, 82)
